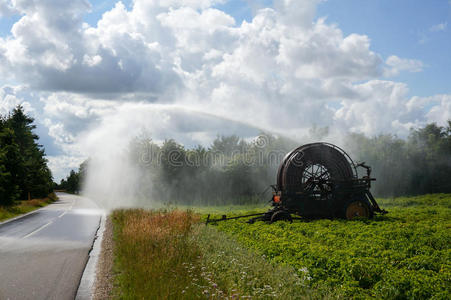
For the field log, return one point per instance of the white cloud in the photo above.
(58, 132)
(386, 108)
(395, 65)
(62, 164)
(381, 103)
(296, 12)
(92, 61)
(439, 27)
(9, 99)
(7, 8)
(440, 113)
(52, 49)
(424, 36)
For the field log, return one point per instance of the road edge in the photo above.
(24, 215)
(28, 213)
(86, 286)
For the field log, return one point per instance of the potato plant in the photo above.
(405, 254)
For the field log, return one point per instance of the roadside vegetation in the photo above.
(25, 206)
(171, 254)
(154, 257)
(24, 173)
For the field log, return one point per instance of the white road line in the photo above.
(70, 208)
(45, 225)
(37, 230)
(62, 214)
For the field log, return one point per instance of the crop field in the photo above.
(405, 254)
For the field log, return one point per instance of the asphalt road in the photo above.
(43, 255)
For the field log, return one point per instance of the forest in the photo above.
(237, 171)
(24, 173)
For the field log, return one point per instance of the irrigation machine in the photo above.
(318, 180)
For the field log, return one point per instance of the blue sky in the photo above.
(404, 28)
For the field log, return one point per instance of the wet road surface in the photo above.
(43, 255)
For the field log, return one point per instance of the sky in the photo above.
(94, 74)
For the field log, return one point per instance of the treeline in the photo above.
(417, 165)
(73, 182)
(230, 171)
(235, 171)
(23, 167)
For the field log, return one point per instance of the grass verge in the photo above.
(25, 206)
(154, 256)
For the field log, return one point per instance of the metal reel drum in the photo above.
(313, 167)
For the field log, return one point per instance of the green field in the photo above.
(170, 254)
(404, 254)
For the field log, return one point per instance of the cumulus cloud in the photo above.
(7, 9)
(10, 98)
(62, 164)
(396, 65)
(52, 49)
(440, 113)
(166, 65)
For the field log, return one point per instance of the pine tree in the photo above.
(10, 165)
(23, 166)
(34, 177)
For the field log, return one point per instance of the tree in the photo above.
(430, 150)
(227, 145)
(10, 165)
(35, 176)
(73, 182)
(23, 165)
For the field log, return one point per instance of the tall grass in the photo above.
(154, 255)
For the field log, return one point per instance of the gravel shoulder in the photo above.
(104, 274)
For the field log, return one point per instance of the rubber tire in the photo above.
(364, 208)
(281, 215)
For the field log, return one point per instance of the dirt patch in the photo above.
(104, 273)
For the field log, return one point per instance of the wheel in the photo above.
(357, 209)
(281, 215)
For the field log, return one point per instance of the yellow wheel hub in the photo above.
(357, 209)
